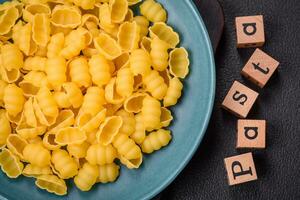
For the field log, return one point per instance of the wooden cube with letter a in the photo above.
(260, 68)
(239, 100)
(250, 31)
(240, 169)
(251, 133)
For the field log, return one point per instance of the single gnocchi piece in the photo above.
(52, 184)
(88, 122)
(153, 11)
(124, 82)
(56, 69)
(128, 126)
(10, 164)
(126, 147)
(128, 36)
(140, 62)
(8, 19)
(61, 99)
(107, 46)
(159, 54)
(64, 119)
(37, 155)
(42, 118)
(79, 72)
(111, 94)
(155, 85)
(139, 133)
(35, 171)
(16, 144)
(118, 10)
(11, 57)
(108, 173)
(134, 103)
(41, 29)
(143, 24)
(173, 92)
(65, 165)
(23, 38)
(13, 99)
(66, 16)
(10, 76)
(70, 135)
(56, 44)
(87, 176)
(165, 117)
(5, 128)
(156, 140)
(109, 129)
(179, 62)
(151, 113)
(100, 154)
(93, 100)
(47, 102)
(165, 33)
(99, 69)
(75, 41)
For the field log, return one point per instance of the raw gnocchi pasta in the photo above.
(85, 86)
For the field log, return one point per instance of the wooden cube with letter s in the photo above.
(239, 100)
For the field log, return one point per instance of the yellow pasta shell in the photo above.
(155, 85)
(111, 95)
(36, 8)
(66, 16)
(10, 164)
(70, 135)
(11, 57)
(16, 145)
(107, 46)
(100, 154)
(156, 140)
(37, 155)
(179, 62)
(93, 100)
(87, 177)
(128, 125)
(41, 29)
(78, 150)
(10, 76)
(134, 103)
(118, 10)
(47, 102)
(108, 173)
(133, 163)
(5, 129)
(153, 11)
(124, 82)
(126, 147)
(79, 72)
(140, 62)
(49, 141)
(128, 36)
(35, 171)
(8, 19)
(64, 119)
(165, 117)
(13, 99)
(52, 184)
(159, 54)
(42, 118)
(88, 122)
(173, 92)
(140, 132)
(165, 33)
(27, 132)
(55, 45)
(151, 113)
(99, 70)
(73, 93)
(109, 129)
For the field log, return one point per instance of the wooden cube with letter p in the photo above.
(260, 68)
(251, 133)
(250, 31)
(239, 100)
(240, 169)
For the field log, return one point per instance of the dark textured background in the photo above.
(278, 166)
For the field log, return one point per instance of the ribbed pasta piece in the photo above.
(55, 45)
(13, 100)
(10, 164)
(79, 72)
(35, 63)
(128, 126)
(93, 100)
(111, 94)
(11, 57)
(128, 36)
(140, 62)
(126, 147)
(173, 92)
(5, 128)
(16, 145)
(87, 177)
(73, 93)
(47, 102)
(52, 184)
(118, 10)
(109, 129)
(35, 171)
(156, 140)
(165, 117)
(89, 122)
(134, 103)
(107, 46)
(165, 33)
(143, 24)
(66, 16)
(78, 150)
(99, 69)
(124, 82)
(100, 154)
(159, 54)
(8, 19)
(56, 68)
(151, 113)
(70, 135)
(64, 119)
(108, 173)
(65, 165)
(133, 163)
(153, 11)
(35, 8)
(179, 62)
(155, 85)
(140, 132)
(41, 29)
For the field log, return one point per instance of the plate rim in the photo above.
(202, 131)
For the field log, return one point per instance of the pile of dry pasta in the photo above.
(84, 83)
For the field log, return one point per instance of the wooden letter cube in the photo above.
(239, 100)
(251, 133)
(240, 169)
(260, 68)
(250, 31)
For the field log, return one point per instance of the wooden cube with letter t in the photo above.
(260, 68)
(250, 31)
(251, 133)
(239, 100)
(240, 169)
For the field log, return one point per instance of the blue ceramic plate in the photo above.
(192, 115)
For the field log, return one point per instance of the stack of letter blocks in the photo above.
(240, 99)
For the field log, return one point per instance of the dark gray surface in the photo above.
(278, 166)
